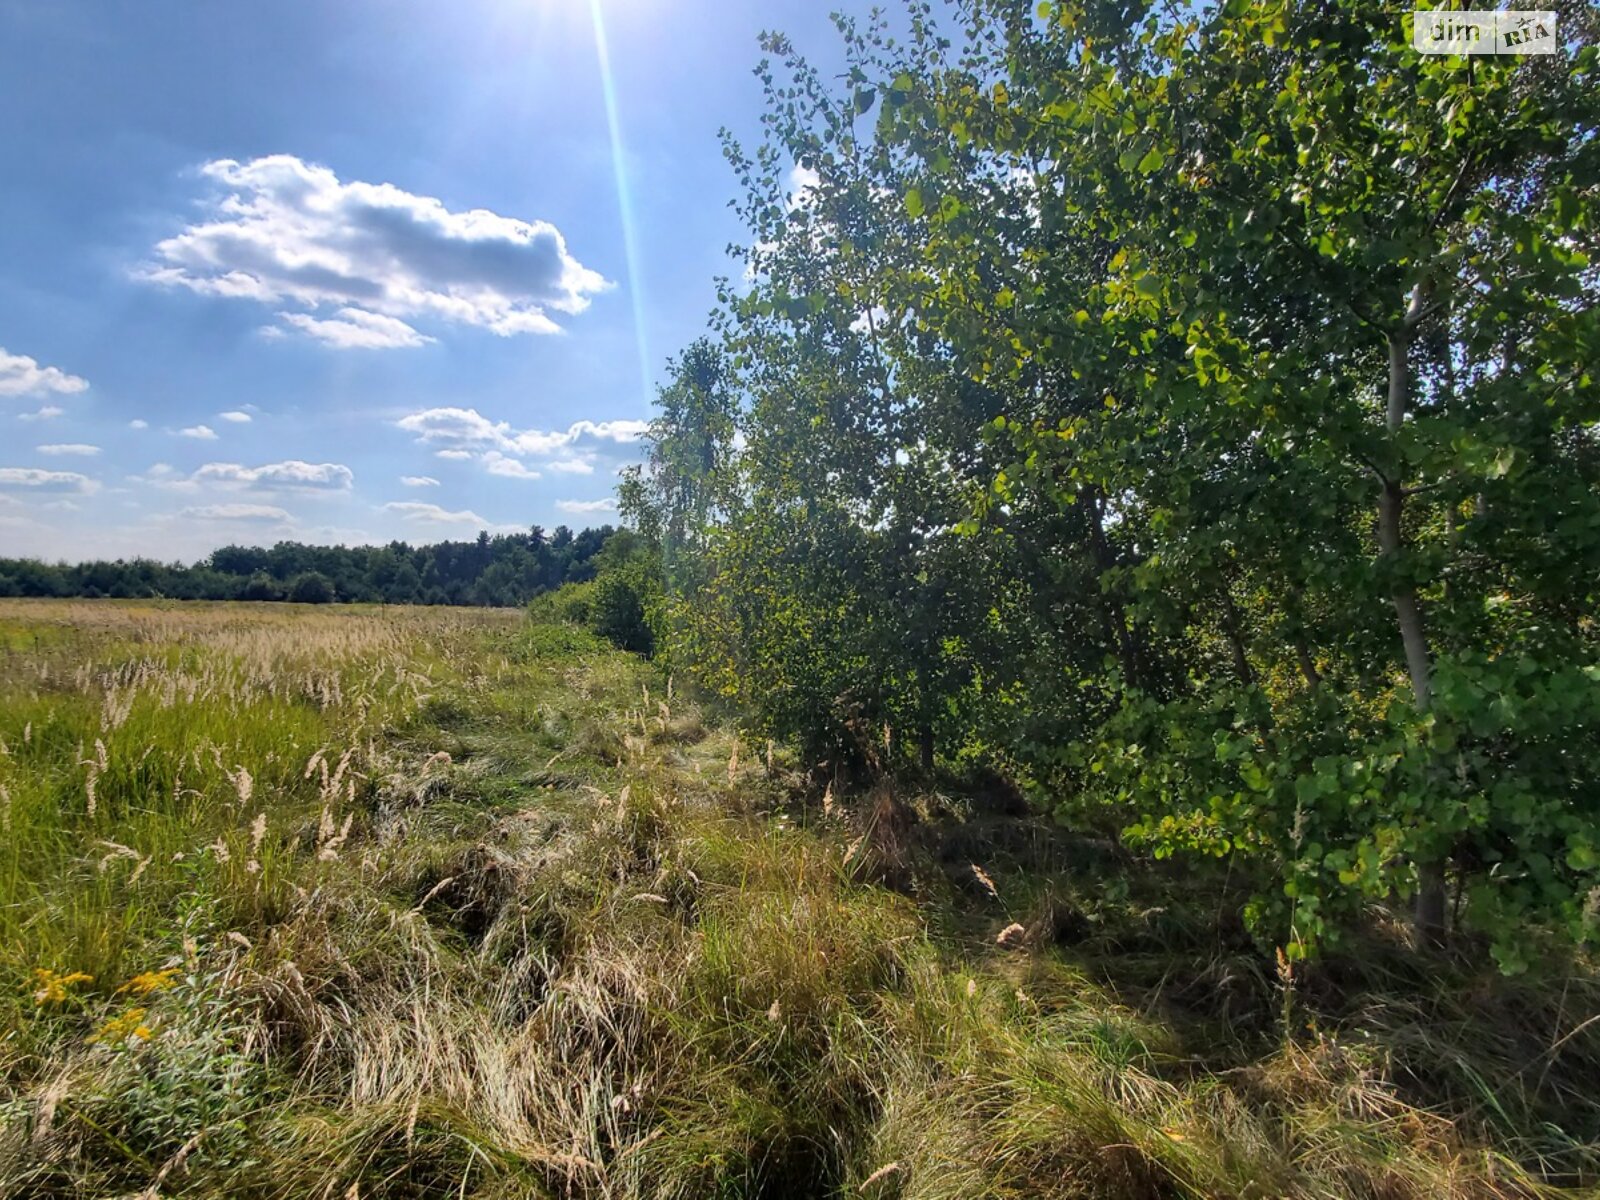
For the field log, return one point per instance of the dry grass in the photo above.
(471, 909)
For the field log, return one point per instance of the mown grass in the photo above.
(497, 914)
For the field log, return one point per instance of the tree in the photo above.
(261, 586)
(507, 569)
(312, 587)
(1191, 410)
(626, 594)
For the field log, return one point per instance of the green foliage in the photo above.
(626, 594)
(1190, 412)
(311, 588)
(571, 603)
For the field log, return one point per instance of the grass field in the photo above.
(306, 902)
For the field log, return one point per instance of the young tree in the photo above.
(1193, 407)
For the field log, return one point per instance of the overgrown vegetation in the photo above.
(328, 902)
(1100, 696)
(1189, 413)
(504, 570)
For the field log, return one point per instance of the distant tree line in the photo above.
(504, 570)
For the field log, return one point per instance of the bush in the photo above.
(261, 586)
(571, 603)
(620, 604)
(313, 587)
(623, 598)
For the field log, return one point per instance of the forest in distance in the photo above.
(500, 570)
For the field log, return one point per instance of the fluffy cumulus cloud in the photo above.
(48, 413)
(36, 480)
(465, 433)
(235, 416)
(138, 423)
(202, 433)
(235, 512)
(455, 425)
(79, 449)
(587, 507)
(22, 376)
(290, 476)
(419, 481)
(289, 233)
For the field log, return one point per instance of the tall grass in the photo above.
(383, 903)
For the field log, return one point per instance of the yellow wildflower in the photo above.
(150, 981)
(53, 987)
(119, 1029)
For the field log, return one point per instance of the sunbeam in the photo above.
(624, 196)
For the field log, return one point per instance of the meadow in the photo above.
(357, 901)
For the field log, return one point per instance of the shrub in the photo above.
(313, 587)
(621, 607)
(571, 603)
(261, 586)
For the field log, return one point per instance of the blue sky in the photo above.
(350, 272)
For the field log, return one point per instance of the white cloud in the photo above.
(579, 433)
(455, 425)
(512, 468)
(235, 512)
(48, 413)
(466, 433)
(587, 507)
(235, 416)
(570, 466)
(76, 448)
(202, 433)
(138, 423)
(432, 514)
(287, 231)
(803, 183)
(419, 481)
(22, 376)
(165, 477)
(358, 330)
(46, 481)
(292, 475)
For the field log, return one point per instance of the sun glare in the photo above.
(619, 165)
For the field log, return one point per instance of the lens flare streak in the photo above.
(624, 196)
